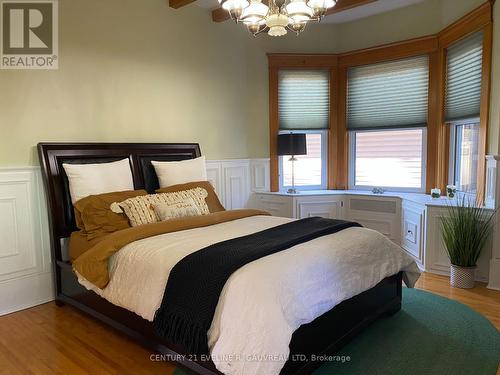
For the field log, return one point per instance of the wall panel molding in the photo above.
(234, 180)
(25, 266)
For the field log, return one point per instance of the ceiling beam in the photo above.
(176, 4)
(221, 15)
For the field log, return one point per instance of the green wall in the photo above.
(133, 71)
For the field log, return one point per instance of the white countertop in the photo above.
(419, 198)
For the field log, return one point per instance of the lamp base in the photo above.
(292, 191)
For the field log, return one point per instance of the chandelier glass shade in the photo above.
(276, 16)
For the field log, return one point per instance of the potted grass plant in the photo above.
(465, 231)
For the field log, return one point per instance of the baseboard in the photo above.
(25, 292)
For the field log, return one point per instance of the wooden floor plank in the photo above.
(61, 340)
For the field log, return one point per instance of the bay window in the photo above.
(407, 116)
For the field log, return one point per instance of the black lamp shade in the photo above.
(292, 144)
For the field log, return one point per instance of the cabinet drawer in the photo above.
(276, 205)
(329, 210)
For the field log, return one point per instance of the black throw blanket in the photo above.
(196, 282)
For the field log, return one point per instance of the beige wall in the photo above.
(134, 71)
(139, 71)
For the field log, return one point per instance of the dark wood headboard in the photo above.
(53, 155)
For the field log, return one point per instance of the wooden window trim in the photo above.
(438, 143)
(273, 128)
(388, 52)
(480, 19)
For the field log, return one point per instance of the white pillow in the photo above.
(180, 172)
(90, 179)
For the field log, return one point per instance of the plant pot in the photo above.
(462, 277)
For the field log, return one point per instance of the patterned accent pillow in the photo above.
(140, 211)
(182, 208)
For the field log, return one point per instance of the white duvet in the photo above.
(265, 301)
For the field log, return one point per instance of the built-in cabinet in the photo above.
(410, 220)
(382, 214)
(301, 206)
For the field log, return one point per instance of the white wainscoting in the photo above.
(25, 262)
(26, 278)
(235, 179)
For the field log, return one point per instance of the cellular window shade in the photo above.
(388, 95)
(463, 78)
(303, 99)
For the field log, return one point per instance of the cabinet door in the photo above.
(413, 226)
(276, 205)
(327, 208)
(382, 214)
(436, 258)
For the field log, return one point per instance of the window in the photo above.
(310, 169)
(387, 119)
(463, 102)
(463, 79)
(465, 154)
(388, 95)
(304, 107)
(392, 159)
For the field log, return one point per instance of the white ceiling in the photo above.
(371, 9)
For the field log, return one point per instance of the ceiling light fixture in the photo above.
(276, 16)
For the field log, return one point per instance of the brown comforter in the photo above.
(93, 264)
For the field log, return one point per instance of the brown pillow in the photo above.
(212, 200)
(95, 216)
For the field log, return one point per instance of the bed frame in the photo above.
(324, 336)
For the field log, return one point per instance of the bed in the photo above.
(324, 335)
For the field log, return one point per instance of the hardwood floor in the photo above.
(481, 299)
(61, 340)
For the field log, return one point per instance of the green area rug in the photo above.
(430, 335)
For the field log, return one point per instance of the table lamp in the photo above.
(292, 144)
